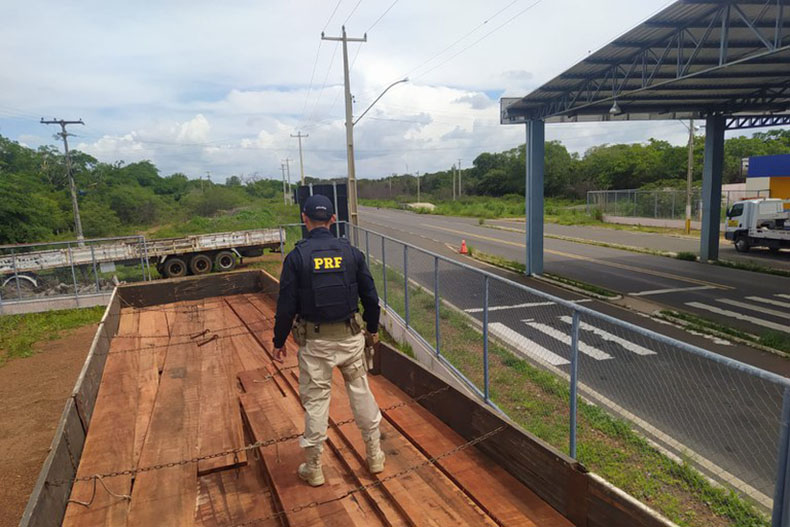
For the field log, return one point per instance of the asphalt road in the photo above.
(724, 416)
(748, 301)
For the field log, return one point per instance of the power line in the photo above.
(332, 15)
(382, 16)
(323, 86)
(351, 13)
(506, 22)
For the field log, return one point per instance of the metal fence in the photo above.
(47, 273)
(660, 204)
(530, 354)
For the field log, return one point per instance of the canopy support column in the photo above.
(534, 196)
(711, 188)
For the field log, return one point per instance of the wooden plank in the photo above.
(109, 445)
(219, 427)
(232, 497)
(612, 507)
(506, 499)
(557, 479)
(167, 496)
(249, 352)
(189, 288)
(267, 420)
(339, 474)
(153, 325)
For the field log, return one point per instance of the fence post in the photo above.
(574, 380)
(282, 245)
(16, 276)
(367, 247)
(587, 208)
(673, 204)
(781, 510)
(384, 268)
(95, 272)
(73, 274)
(635, 203)
(334, 191)
(142, 257)
(616, 212)
(406, 282)
(485, 338)
(436, 298)
(655, 205)
(147, 260)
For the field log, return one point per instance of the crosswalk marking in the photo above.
(768, 301)
(759, 309)
(609, 337)
(740, 316)
(593, 352)
(673, 290)
(524, 345)
(783, 296)
(515, 306)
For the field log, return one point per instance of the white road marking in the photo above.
(759, 309)
(593, 352)
(783, 296)
(740, 316)
(524, 345)
(768, 301)
(609, 337)
(673, 290)
(515, 306)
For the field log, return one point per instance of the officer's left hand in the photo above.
(280, 354)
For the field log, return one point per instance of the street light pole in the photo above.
(689, 175)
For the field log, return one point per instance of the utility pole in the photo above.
(453, 175)
(301, 159)
(460, 191)
(72, 187)
(689, 175)
(352, 178)
(285, 191)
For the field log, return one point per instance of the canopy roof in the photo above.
(694, 58)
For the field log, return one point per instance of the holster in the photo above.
(356, 323)
(370, 353)
(299, 331)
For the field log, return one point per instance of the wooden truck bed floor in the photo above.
(187, 385)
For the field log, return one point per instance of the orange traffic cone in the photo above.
(463, 250)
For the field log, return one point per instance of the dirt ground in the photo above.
(33, 391)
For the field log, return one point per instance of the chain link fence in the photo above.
(48, 272)
(660, 204)
(604, 390)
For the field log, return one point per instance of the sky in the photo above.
(215, 89)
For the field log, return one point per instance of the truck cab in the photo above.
(758, 223)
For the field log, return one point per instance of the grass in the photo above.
(19, 333)
(770, 338)
(538, 401)
(265, 214)
(686, 255)
(581, 285)
(746, 266)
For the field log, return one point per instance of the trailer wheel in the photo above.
(742, 244)
(174, 268)
(200, 264)
(224, 261)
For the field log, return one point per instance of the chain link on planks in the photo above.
(233, 451)
(192, 335)
(378, 483)
(206, 306)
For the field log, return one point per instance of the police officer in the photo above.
(322, 281)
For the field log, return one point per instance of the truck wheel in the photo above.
(174, 268)
(742, 244)
(224, 261)
(200, 264)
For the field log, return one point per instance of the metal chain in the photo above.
(377, 483)
(188, 310)
(233, 451)
(181, 342)
(191, 335)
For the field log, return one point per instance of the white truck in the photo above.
(173, 257)
(758, 223)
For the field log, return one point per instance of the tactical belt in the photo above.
(332, 330)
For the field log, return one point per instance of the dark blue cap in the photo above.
(318, 207)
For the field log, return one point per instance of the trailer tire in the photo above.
(224, 261)
(742, 244)
(174, 268)
(200, 264)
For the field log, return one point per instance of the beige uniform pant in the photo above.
(317, 358)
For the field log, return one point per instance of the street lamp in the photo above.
(352, 178)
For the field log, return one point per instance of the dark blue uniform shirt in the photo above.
(288, 301)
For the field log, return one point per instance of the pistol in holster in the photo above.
(299, 331)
